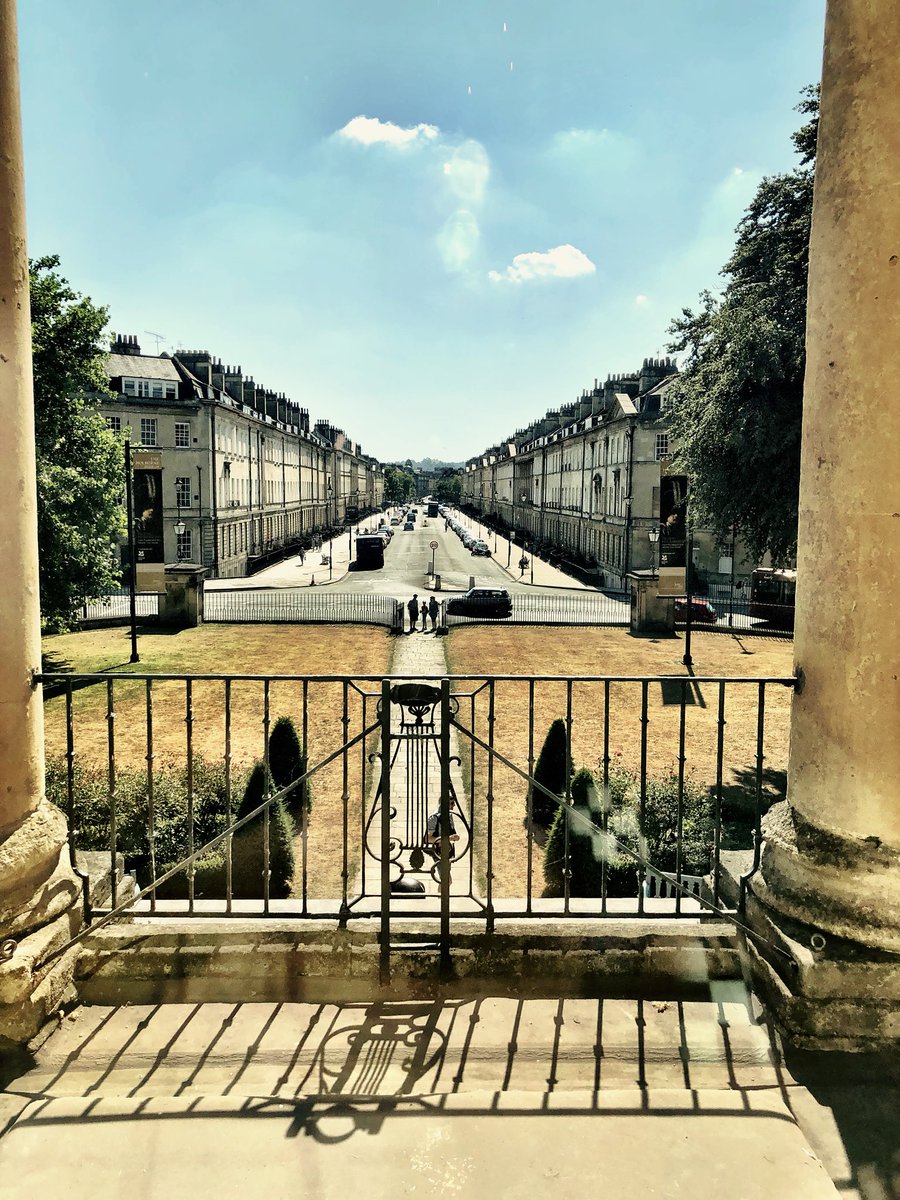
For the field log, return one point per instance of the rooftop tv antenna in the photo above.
(160, 337)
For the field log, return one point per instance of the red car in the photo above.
(702, 612)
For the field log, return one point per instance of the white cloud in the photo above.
(641, 299)
(458, 240)
(562, 262)
(467, 171)
(369, 131)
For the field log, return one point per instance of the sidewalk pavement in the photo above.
(539, 573)
(313, 571)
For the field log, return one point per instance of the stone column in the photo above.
(832, 855)
(36, 884)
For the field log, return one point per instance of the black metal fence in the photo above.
(600, 796)
(303, 605)
(723, 606)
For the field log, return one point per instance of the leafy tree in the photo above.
(448, 488)
(737, 404)
(399, 485)
(551, 772)
(79, 462)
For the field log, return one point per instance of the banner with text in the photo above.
(673, 495)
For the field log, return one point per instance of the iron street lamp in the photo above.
(132, 553)
(653, 535)
(180, 529)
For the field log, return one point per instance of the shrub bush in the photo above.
(623, 806)
(287, 762)
(248, 846)
(551, 772)
(581, 818)
(170, 808)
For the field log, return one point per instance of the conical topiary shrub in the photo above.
(551, 772)
(248, 848)
(287, 762)
(583, 818)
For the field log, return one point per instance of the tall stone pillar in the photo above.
(830, 879)
(37, 886)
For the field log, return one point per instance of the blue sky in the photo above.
(426, 220)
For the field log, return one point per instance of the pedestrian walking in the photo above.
(433, 609)
(413, 608)
(302, 556)
(424, 615)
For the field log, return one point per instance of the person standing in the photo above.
(433, 609)
(413, 608)
(424, 615)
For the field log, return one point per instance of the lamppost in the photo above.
(180, 529)
(132, 566)
(653, 535)
(686, 659)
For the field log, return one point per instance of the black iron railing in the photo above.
(514, 795)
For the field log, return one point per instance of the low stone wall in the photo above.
(204, 959)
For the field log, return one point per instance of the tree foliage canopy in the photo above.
(737, 403)
(399, 485)
(448, 488)
(79, 462)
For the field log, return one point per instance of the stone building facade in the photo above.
(227, 473)
(583, 482)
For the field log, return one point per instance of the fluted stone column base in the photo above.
(40, 910)
(831, 905)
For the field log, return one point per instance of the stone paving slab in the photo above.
(468, 1146)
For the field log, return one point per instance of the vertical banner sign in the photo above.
(673, 495)
(148, 508)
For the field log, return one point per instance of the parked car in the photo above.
(480, 548)
(701, 611)
(395, 520)
(481, 602)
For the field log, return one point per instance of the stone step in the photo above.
(390, 1048)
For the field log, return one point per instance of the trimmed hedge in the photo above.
(171, 824)
(248, 846)
(287, 762)
(551, 772)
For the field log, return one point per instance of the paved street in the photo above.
(407, 561)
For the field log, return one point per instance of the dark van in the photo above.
(370, 552)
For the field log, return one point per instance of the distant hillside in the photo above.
(436, 464)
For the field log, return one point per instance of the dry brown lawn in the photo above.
(605, 652)
(237, 650)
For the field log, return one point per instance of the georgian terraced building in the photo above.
(584, 481)
(227, 473)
